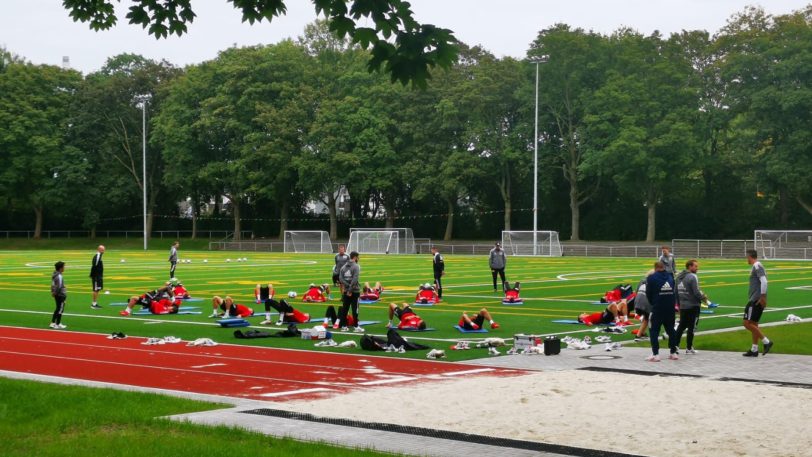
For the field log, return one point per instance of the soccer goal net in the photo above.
(784, 244)
(312, 241)
(382, 241)
(521, 243)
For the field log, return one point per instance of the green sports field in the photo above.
(552, 288)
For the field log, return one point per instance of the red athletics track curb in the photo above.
(226, 369)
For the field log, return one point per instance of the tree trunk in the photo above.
(331, 210)
(38, 212)
(150, 220)
(508, 212)
(575, 206)
(449, 227)
(283, 219)
(652, 217)
(194, 223)
(93, 233)
(504, 189)
(235, 205)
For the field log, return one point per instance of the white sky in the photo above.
(42, 32)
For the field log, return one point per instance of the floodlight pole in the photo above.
(536, 169)
(144, 163)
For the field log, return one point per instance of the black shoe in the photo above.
(750, 354)
(767, 347)
(96, 306)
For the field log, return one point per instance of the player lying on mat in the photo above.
(263, 293)
(475, 322)
(160, 301)
(287, 313)
(371, 293)
(229, 308)
(178, 290)
(407, 317)
(316, 294)
(426, 294)
(613, 313)
(331, 318)
(512, 293)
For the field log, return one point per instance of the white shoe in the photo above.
(492, 351)
(691, 351)
(653, 358)
(213, 315)
(344, 329)
(53, 325)
(280, 322)
(61, 326)
(402, 350)
(266, 322)
(608, 347)
(673, 357)
(359, 329)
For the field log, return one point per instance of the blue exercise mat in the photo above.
(422, 304)
(713, 305)
(414, 329)
(191, 300)
(227, 323)
(146, 312)
(463, 330)
(705, 311)
(118, 304)
(368, 302)
(513, 303)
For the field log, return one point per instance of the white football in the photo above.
(205, 260)
(106, 292)
(228, 260)
(245, 259)
(292, 294)
(122, 260)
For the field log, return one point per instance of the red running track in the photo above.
(227, 370)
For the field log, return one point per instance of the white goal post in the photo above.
(783, 244)
(308, 241)
(521, 243)
(382, 241)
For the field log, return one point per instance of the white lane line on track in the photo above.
(464, 372)
(209, 365)
(387, 381)
(295, 392)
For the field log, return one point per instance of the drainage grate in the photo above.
(640, 372)
(441, 434)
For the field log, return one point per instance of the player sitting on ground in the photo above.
(612, 313)
(316, 294)
(475, 322)
(621, 293)
(178, 290)
(407, 317)
(263, 293)
(511, 293)
(371, 293)
(158, 301)
(287, 313)
(229, 308)
(331, 318)
(426, 294)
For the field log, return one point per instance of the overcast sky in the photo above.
(42, 32)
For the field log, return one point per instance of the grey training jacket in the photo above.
(497, 259)
(688, 287)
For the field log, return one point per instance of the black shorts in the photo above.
(335, 279)
(641, 313)
(607, 317)
(401, 311)
(98, 283)
(752, 312)
(479, 319)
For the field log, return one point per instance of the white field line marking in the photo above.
(497, 298)
(769, 324)
(464, 372)
(799, 288)
(387, 381)
(296, 392)
(209, 365)
(213, 264)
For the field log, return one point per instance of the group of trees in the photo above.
(689, 135)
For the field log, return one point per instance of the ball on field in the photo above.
(122, 260)
(106, 292)
(292, 294)
(205, 260)
(245, 259)
(228, 260)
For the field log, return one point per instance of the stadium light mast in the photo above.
(142, 101)
(538, 60)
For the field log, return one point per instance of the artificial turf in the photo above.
(552, 288)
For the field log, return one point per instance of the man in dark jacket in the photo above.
(97, 276)
(661, 296)
(439, 270)
(497, 261)
(349, 276)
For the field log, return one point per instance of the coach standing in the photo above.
(756, 302)
(173, 258)
(350, 277)
(497, 261)
(661, 294)
(97, 276)
(439, 270)
(60, 294)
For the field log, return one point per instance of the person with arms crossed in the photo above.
(349, 276)
(439, 270)
(341, 259)
(497, 260)
(173, 258)
(60, 294)
(690, 301)
(660, 294)
(756, 302)
(97, 276)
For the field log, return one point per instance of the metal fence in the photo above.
(711, 249)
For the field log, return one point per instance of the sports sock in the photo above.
(754, 348)
(94, 303)
(491, 321)
(281, 317)
(267, 315)
(765, 340)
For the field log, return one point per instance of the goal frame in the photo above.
(783, 244)
(400, 241)
(547, 245)
(325, 246)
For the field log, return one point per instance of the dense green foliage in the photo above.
(686, 136)
(55, 420)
